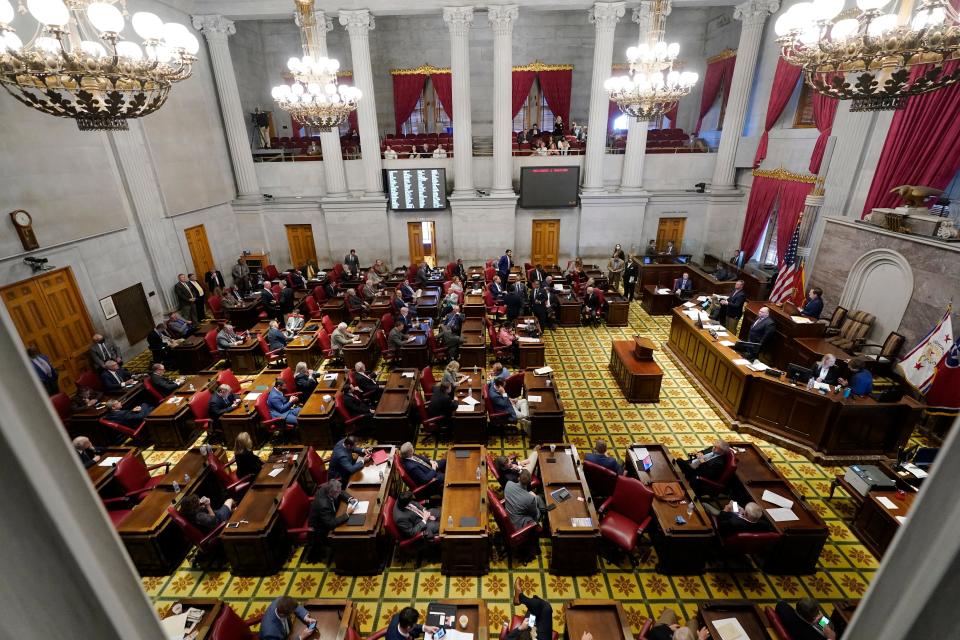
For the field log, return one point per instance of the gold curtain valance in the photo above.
(423, 70)
(536, 65)
(723, 55)
(782, 174)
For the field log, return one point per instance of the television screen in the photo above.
(416, 189)
(549, 187)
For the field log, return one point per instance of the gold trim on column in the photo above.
(782, 174)
(423, 70)
(723, 55)
(536, 65)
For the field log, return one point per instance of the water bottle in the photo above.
(186, 478)
(810, 383)
(689, 508)
(450, 520)
(478, 472)
(381, 475)
(176, 487)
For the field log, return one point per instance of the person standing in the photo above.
(186, 298)
(200, 295)
(615, 268)
(733, 306)
(504, 265)
(45, 370)
(102, 350)
(214, 280)
(351, 263)
(630, 274)
(240, 273)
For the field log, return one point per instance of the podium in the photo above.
(639, 377)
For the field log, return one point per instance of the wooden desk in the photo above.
(842, 615)
(259, 545)
(243, 315)
(605, 619)
(473, 306)
(211, 608)
(638, 379)
(618, 310)
(86, 422)
(191, 355)
(755, 281)
(464, 546)
(363, 549)
(391, 419)
(199, 382)
(476, 612)
(471, 426)
(657, 304)
(663, 275)
(428, 304)
(876, 524)
(171, 424)
(316, 422)
(782, 349)
(547, 415)
(681, 549)
(473, 351)
(531, 352)
(246, 357)
(746, 613)
(304, 347)
(365, 350)
(102, 476)
(245, 417)
(336, 309)
(415, 354)
(335, 619)
(574, 548)
(382, 303)
(570, 305)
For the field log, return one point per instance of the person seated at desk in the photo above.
(297, 281)
(281, 407)
(355, 303)
(509, 467)
(381, 268)
(102, 350)
(421, 468)
(160, 382)
(813, 307)
(178, 327)
(372, 284)
(341, 336)
(708, 463)
(826, 371)
(422, 275)
(198, 511)
(733, 306)
(454, 319)
(403, 625)
(366, 383)
(412, 517)
(523, 505)
(802, 623)
(405, 317)
(591, 306)
(499, 372)
(670, 249)
(114, 377)
(861, 380)
(329, 287)
(323, 516)
(354, 402)
(305, 379)
(450, 341)
(507, 337)
(276, 624)
(84, 398)
(760, 331)
(342, 463)
(89, 455)
(276, 338)
(667, 627)
(398, 303)
(683, 286)
(496, 289)
(452, 375)
(221, 402)
(599, 456)
(127, 417)
(227, 338)
(722, 273)
(736, 519)
(247, 462)
(397, 338)
(160, 343)
(442, 403)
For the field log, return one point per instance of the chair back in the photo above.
(216, 306)
(324, 339)
(341, 407)
(382, 341)
(777, 624)
(316, 466)
(224, 477)
(319, 294)
(192, 533)
(327, 324)
(90, 380)
(631, 498)
(226, 377)
(750, 543)
(386, 322)
(264, 347)
(294, 506)
(892, 345)
(488, 274)
(261, 405)
(312, 307)
(421, 407)
(388, 522)
(837, 318)
(211, 339)
(514, 384)
(275, 288)
(229, 626)
(427, 380)
(152, 390)
(200, 404)
(407, 480)
(271, 272)
(492, 468)
(854, 330)
(500, 514)
(62, 405)
(131, 474)
(729, 468)
(286, 374)
(602, 481)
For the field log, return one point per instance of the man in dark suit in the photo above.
(450, 341)
(422, 275)
(591, 306)
(454, 319)
(276, 338)
(161, 383)
(733, 306)
(514, 304)
(127, 417)
(276, 621)
(504, 265)
(323, 516)
(351, 263)
(461, 271)
(537, 274)
(354, 402)
(355, 303)
(442, 403)
(45, 370)
(102, 350)
(397, 337)
(412, 517)
(186, 298)
(89, 455)
(814, 305)
(599, 456)
(421, 468)
(630, 275)
(160, 342)
(286, 298)
(748, 519)
(342, 462)
(760, 331)
(708, 463)
(683, 286)
(222, 401)
(802, 623)
(541, 305)
(114, 377)
(403, 625)
(269, 301)
(297, 281)
(214, 280)
(367, 384)
(496, 290)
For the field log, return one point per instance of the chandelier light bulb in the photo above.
(633, 53)
(105, 18)
(131, 50)
(872, 5)
(293, 64)
(689, 78)
(826, 9)
(11, 41)
(93, 49)
(843, 29)
(673, 78)
(175, 35)
(147, 25)
(924, 19)
(883, 24)
(6, 12)
(802, 15)
(334, 65)
(49, 12)
(313, 88)
(159, 53)
(810, 35)
(784, 24)
(47, 44)
(296, 89)
(673, 50)
(306, 98)
(191, 44)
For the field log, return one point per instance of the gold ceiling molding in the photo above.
(723, 55)
(423, 70)
(536, 65)
(782, 174)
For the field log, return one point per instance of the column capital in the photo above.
(502, 17)
(214, 26)
(643, 14)
(755, 12)
(357, 21)
(606, 15)
(458, 19)
(320, 18)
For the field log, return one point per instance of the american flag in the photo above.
(789, 285)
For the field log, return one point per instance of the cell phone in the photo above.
(352, 501)
(439, 633)
(823, 622)
(532, 620)
(233, 525)
(681, 520)
(312, 626)
(734, 507)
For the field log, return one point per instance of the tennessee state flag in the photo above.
(943, 399)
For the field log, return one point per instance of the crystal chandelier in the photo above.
(653, 86)
(315, 99)
(78, 65)
(868, 56)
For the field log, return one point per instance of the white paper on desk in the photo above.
(756, 365)
(558, 287)
(470, 401)
(109, 461)
(703, 298)
(782, 515)
(329, 377)
(688, 305)
(887, 502)
(741, 361)
(542, 371)
(534, 398)
(174, 626)
(915, 470)
(451, 634)
(464, 408)
(663, 291)
(275, 472)
(175, 399)
(641, 453)
(370, 474)
(821, 386)
(721, 334)
(801, 319)
(730, 629)
(362, 506)
(776, 498)
(253, 395)
(727, 343)
(526, 339)
(901, 519)
(408, 374)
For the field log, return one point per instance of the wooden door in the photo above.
(545, 242)
(429, 238)
(199, 251)
(48, 313)
(300, 240)
(134, 311)
(670, 229)
(415, 239)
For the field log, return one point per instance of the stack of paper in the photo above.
(730, 629)
(776, 498)
(329, 377)
(534, 398)
(688, 305)
(558, 287)
(663, 291)
(362, 507)
(702, 298)
(887, 502)
(782, 515)
(408, 374)
(370, 474)
(727, 343)
(251, 396)
(801, 319)
(276, 472)
(470, 401)
(542, 371)
(526, 339)
(109, 461)
(464, 408)
(741, 362)
(581, 522)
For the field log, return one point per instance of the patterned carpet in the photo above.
(595, 408)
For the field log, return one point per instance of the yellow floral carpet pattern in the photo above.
(595, 408)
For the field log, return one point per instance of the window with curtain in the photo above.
(428, 116)
(803, 118)
(766, 253)
(534, 111)
(416, 122)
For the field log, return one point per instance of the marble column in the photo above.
(359, 23)
(335, 177)
(216, 29)
(501, 19)
(458, 21)
(631, 177)
(604, 16)
(753, 14)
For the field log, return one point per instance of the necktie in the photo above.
(40, 362)
(757, 322)
(117, 376)
(103, 350)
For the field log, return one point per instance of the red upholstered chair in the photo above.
(63, 406)
(492, 468)
(776, 623)
(626, 514)
(405, 546)
(706, 486)
(117, 515)
(210, 337)
(747, 544)
(326, 346)
(313, 308)
(316, 465)
(133, 476)
(602, 481)
(493, 308)
(438, 352)
(501, 352)
(271, 273)
(294, 509)
(497, 419)
(286, 374)
(349, 420)
(513, 538)
(226, 377)
(431, 488)
(228, 480)
(272, 424)
(427, 381)
(132, 433)
(352, 378)
(272, 357)
(645, 629)
(428, 426)
(389, 356)
(216, 307)
(488, 274)
(200, 408)
(230, 626)
(514, 385)
(207, 544)
(386, 322)
(514, 623)
(327, 323)
(319, 294)
(153, 391)
(449, 270)
(90, 380)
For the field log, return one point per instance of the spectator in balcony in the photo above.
(552, 150)
(389, 153)
(541, 149)
(439, 152)
(576, 129)
(563, 147)
(558, 126)
(533, 132)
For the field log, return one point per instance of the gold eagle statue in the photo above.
(915, 196)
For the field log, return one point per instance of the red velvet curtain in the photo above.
(763, 194)
(407, 90)
(556, 89)
(792, 196)
(672, 115)
(824, 111)
(443, 85)
(613, 112)
(522, 81)
(922, 146)
(718, 74)
(784, 83)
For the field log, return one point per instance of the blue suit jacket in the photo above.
(393, 629)
(110, 382)
(861, 384)
(419, 473)
(407, 291)
(278, 404)
(685, 285)
(503, 265)
(275, 628)
(604, 461)
(276, 339)
(496, 290)
(43, 376)
(813, 308)
(501, 403)
(342, 465)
